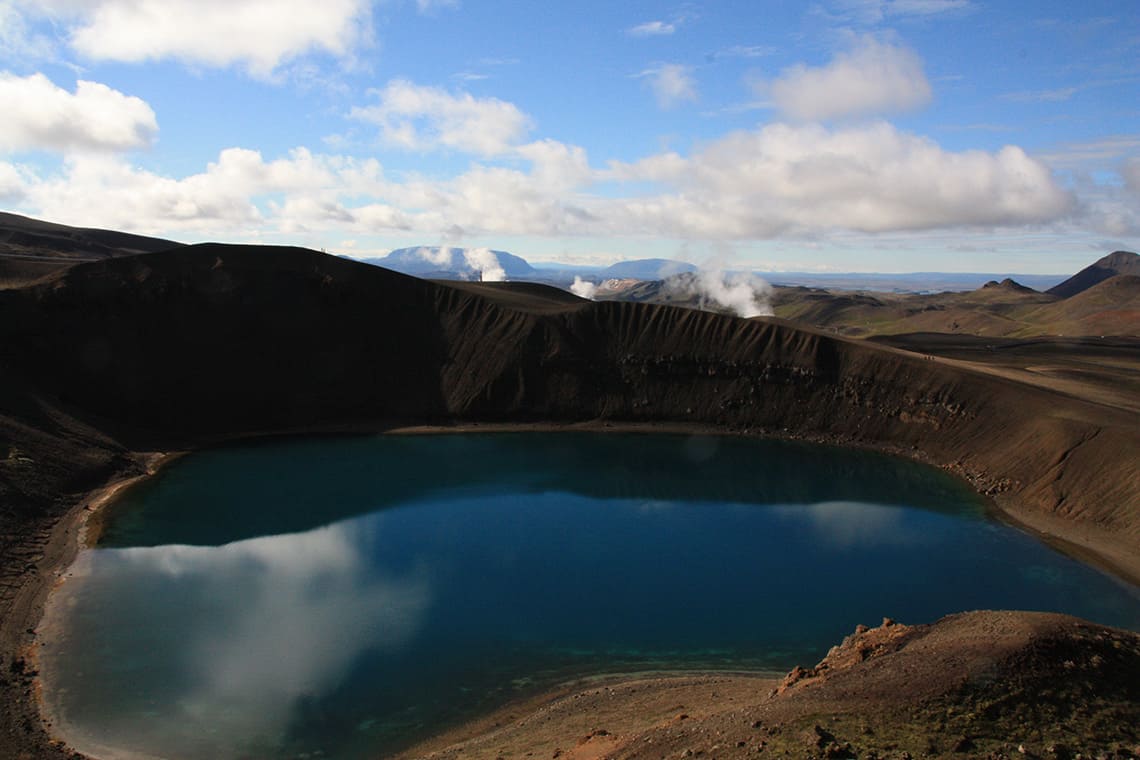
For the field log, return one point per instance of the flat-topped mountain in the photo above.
(645, 269)
(446, 263)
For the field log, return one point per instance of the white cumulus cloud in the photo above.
(780, 181)
(672, 84)
(257, 34)
(787, 179)
(556, 165)
(40, 115)
(873, 78)
(421, 118)
(105, 191)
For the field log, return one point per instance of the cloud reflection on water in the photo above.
(262, 625)
(849, 525)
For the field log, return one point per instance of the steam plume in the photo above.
(742, 293)
(583, 288)
(486, 263)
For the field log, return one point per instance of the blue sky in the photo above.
(841, 135)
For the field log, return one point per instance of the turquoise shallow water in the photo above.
(337, 597)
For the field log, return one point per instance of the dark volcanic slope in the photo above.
(23, 235)
(31, 249)
(214, 338)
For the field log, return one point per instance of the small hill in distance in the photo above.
(1008, 285)
(1112, 265)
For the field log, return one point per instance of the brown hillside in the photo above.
(1119, 293)
(1105, 370)
(1110, 307)
(995, 309)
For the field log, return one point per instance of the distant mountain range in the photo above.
(436, 263)
(31, 248)
(443, 263)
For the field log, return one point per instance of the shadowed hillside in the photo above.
(30, 248)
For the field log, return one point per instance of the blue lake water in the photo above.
(338, 597)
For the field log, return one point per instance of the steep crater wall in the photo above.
(168, 349)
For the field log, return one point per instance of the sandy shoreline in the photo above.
(77, 531)
(585, 718)
(80, 526)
